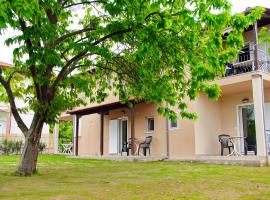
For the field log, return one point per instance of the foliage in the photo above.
(74, 52)
(160, 51)
(65, 132)
(41, 146)
(11, 147)
(264, 36)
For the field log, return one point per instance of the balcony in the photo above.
(245, 62)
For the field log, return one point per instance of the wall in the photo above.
(207, 126)
(89, 138)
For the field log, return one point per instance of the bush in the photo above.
(11, 147)
(41, 147)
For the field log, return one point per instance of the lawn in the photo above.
(66, 178)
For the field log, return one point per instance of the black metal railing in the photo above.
(245, 63)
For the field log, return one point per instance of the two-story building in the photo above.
(242, 111)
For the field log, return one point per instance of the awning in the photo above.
(99, 108)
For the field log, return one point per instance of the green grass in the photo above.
(67, 178)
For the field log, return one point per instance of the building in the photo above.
(243, 111)
(9, 128)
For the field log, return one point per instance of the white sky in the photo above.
(238, 6)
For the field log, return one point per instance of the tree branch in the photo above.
(13, 106)
(111, 35)
(62, 38)
(85, 2)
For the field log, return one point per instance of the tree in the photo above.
(161, 51)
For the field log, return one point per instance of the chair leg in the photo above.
(149, 151)
(229, 150)
(144, 151)
(221, 151)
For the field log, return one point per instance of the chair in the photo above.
(250, 146)
(126, 146)
(145, 145)
(225, 142)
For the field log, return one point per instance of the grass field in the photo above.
(66, 178)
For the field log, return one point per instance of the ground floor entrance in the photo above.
(118, 134)
(247, 129)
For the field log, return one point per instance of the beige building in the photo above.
(9, 129)
(242, 111)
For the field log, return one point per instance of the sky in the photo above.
(238, 6)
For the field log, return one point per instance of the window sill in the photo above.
(149, 132)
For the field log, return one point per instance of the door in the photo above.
(122, 133)
(267, 124)
(113, 136)
(247, 128)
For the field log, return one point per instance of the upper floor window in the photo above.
(244, 54)
(150, 124)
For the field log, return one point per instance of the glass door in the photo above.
(247, 129)
(123, 133)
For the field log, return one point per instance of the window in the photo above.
(173, 124)
(150, 124)
(244, 54)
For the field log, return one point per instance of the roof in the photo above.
(105, 107)
(5, 65)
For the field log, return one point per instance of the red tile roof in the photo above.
(5, 65)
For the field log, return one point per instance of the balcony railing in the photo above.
(245, 63)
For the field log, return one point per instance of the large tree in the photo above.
(161, 51)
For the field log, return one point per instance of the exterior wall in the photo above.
(89, 137)
(181, 139)
(207, 126)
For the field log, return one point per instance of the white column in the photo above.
(56, 135)
(258, 99)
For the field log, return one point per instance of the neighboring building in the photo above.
(9, 128)
(242, 110)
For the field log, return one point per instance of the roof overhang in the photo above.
(101, 108)
(5, 65)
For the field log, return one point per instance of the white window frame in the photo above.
(147, 123)
(177, 125)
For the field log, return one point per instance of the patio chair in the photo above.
(225, 142)
(126, 146)
(145, 145)
(250, 146)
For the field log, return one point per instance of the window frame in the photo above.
(147, 127)
(173, 128)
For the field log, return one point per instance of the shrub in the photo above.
(41, 147)
(6, 146)
(11, 147)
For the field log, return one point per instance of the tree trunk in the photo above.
(28, 164)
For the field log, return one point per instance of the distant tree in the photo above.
(65, 132)
(161, 51)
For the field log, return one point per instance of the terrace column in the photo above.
(56, 137)
(77, 123)
(258, 99)
(101, 133)
(8, 124)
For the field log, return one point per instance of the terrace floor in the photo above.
(66, 178)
